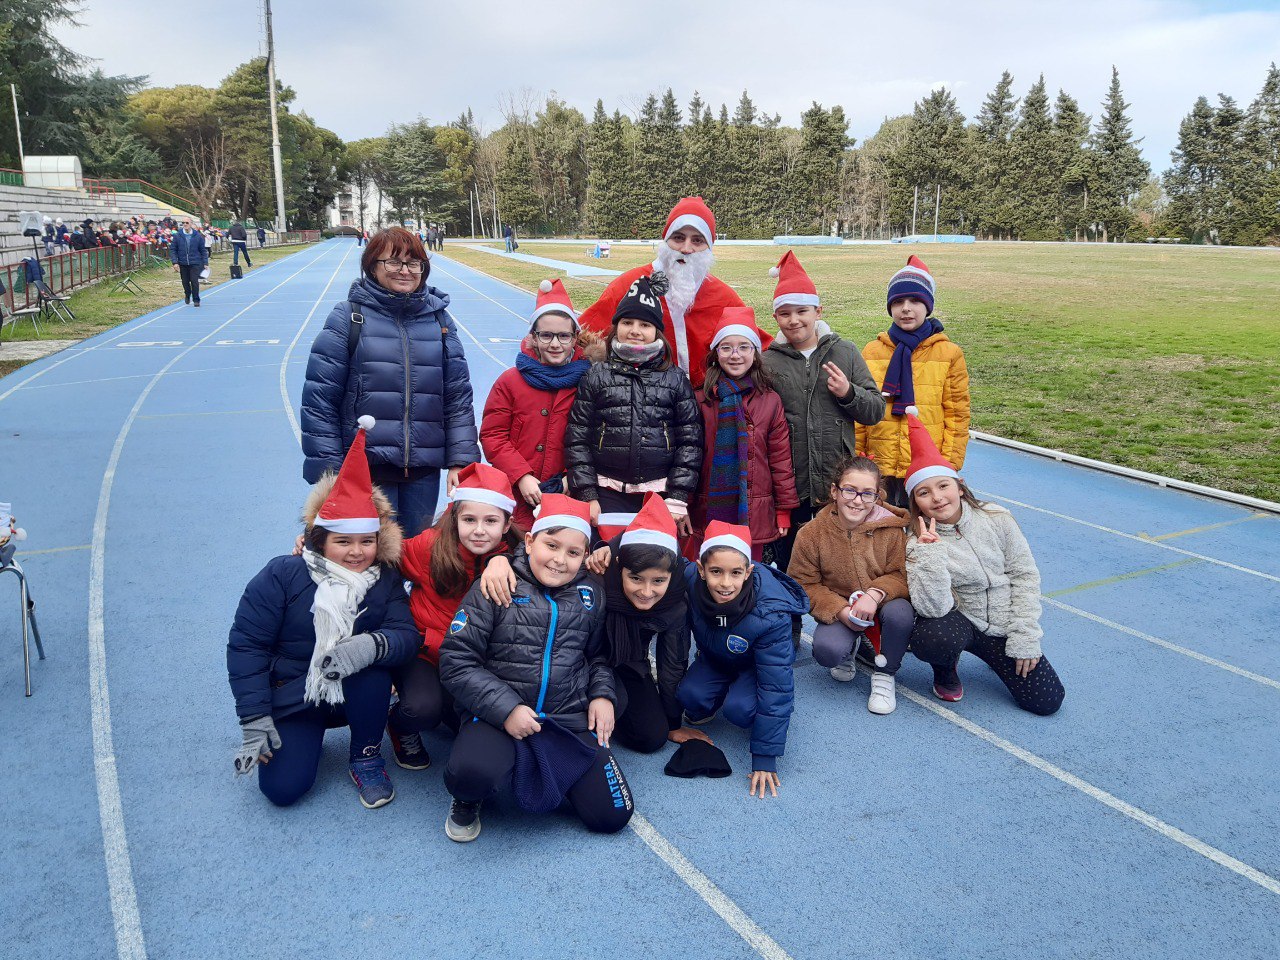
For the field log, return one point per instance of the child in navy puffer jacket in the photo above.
(740, 614)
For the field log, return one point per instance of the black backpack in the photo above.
(355, 327)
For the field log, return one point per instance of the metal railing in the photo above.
(150, 189)
(10, 178)
(100, 191)
(66, 271)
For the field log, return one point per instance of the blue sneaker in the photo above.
(370, 775)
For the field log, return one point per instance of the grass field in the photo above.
(97, 309)
(1164, 359)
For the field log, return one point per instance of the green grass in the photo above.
(97, 309)
(1164, 359)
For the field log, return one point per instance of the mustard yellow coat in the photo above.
(942, 395)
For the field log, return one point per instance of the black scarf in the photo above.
(630, 630)
(733, 611)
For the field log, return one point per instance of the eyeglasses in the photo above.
(853, 493)
(395, 266)
(729, 349)
(559, 337)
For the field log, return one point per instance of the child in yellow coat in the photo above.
(920, 370)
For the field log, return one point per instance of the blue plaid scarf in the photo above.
(727, 485)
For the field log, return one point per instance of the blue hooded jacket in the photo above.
(189, 249)
(761, 639)
(408, 372)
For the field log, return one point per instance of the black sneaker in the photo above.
(409, 751)
(463, 824)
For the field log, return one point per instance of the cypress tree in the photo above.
(1031, 210)
(1118, 170)
(994, 196)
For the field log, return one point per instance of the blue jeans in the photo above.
(414, 502)
(236, 250)
(510, 244)
(292, 770)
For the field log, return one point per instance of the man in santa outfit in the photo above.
(694, 299)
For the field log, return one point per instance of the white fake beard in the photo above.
(685, 278)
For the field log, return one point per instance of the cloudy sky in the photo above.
(358, 67)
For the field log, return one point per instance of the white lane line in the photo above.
(144, 376)
(666, 851)
(284, 389)
(128, 328)
(1168, 645)
(1194, 844)
(451, 276)
(461, 326)
(712, 895)
(130, 944)
(1129, 536)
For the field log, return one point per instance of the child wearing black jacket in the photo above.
(534, 686)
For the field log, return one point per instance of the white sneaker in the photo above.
(884, 695)
(845, 670)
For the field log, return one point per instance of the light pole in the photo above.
(281, 222)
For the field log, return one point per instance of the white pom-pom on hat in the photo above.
(19, 534)
(366, 422)
(913, 410)
(773, 272)
(881, 661)
(545, 286)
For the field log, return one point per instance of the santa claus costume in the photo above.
(692, 305)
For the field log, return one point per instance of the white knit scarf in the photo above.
(339, 592)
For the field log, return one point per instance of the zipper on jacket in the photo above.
(601, 446)
(546, 654)
(404, 341)
(665, 437)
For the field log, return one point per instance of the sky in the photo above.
(359, 67)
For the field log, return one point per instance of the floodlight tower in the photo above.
(281, 223)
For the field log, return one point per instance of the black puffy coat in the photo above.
(634, 424)
(546, 650)
(408, 372)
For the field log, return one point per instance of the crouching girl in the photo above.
(534, 685)
(740, 614)
(315, 638)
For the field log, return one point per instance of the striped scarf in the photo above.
(727, 485)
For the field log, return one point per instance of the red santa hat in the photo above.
(926, 461)
(481, 483)
(794, 286)
(349, 507)
(558, 510)
(553, 298)
(692, 212)
(721, 534)
(653, 525)
(737, 322)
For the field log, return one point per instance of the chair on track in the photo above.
(49, 303)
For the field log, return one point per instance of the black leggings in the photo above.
(424, 703)
(642, 723)
(483, 758)
(940, 641)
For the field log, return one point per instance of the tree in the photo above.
(814, 186)
(1031, 211)
(1118, 171)
(364, 157)
(938, 159)
(1261, 155)
(1069, 164)
(560, 154)
(659, 162)
(609, 214)
(996, 192)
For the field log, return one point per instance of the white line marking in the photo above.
(284, 389)
(485, 295)
(1129, 536)
(145, 376)
(1194, 844)
(130, 944)
(128, 327)
(694, 878)
(1168, 645)
(461, 326)
(713, 896)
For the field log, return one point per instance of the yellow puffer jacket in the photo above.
(941, 383)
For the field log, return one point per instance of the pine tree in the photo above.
(1191, 182)
(813, 188)
(937, 159)
(1261, 147)
(1069, 163)
(994, 193)
(1032, 209)
(659, 162)
(1118, 170)
(518, 200)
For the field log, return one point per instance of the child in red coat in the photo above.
(747, 473)
(522, 431)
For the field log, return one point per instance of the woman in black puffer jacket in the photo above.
(533, 677)
(635, 426)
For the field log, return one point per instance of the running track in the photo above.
(157, 468)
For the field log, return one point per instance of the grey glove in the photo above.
(353, 654)
(260, 737)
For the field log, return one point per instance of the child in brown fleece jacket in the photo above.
(851, 561)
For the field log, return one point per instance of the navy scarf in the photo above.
(541, 377)
(897, 379)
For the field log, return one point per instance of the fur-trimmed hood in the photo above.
(390, 536)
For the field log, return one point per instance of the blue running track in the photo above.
(157, 468)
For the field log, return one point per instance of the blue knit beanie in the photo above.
(913, 280)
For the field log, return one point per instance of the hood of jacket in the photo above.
(366, 293)
(778, 593)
